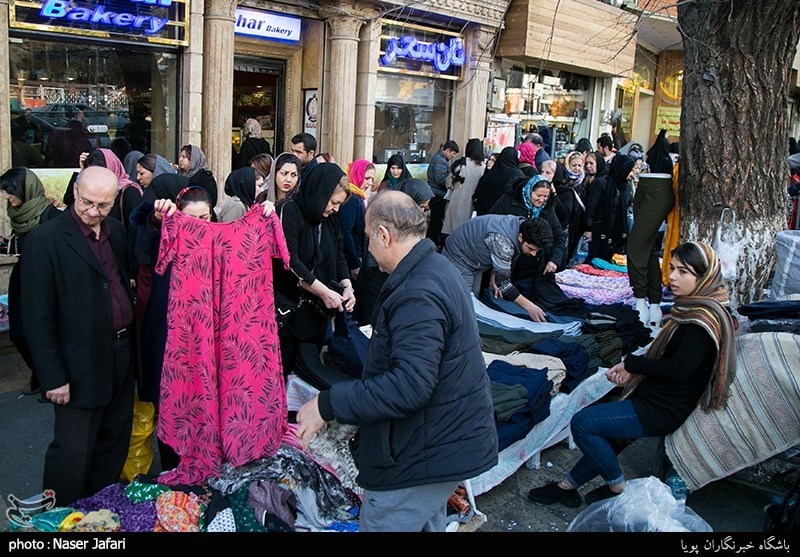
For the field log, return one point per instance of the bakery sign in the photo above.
(149, 21)
(413, 49)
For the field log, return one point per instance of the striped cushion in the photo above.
(762, 417)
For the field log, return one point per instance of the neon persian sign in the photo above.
(441, 55)
(100, 15)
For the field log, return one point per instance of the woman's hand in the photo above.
(163, 208)
(269, 207)
(587, 235)
(348, 298)
(618, 375)
(550, 268)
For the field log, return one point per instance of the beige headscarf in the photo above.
(708, 306)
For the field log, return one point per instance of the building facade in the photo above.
(367, 79)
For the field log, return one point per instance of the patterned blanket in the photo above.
(762, 418)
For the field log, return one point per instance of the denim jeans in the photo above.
(594, 429)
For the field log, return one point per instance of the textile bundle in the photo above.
(762, 417)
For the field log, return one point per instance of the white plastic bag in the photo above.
(646, 505)
(728, 243)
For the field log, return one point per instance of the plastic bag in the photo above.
(728, 243)
(581, 252)
(646, 505)
(140, 451)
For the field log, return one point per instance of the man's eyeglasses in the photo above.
(102, 207)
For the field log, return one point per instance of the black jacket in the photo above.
(423, 405)
(68, 309)
(251, 147)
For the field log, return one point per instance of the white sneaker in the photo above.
(644, 310)
(655, 316)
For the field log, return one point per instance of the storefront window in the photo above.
(99, 92)
(555, 104)
(411, 117)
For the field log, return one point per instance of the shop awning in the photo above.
(582, 36)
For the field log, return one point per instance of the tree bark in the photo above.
(734, 133)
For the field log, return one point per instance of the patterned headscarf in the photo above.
(527, 189)
(197, 161)
(577, 179)
(251, 128)
(709, 307)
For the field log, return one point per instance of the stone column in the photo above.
(218, 88)
(5, 115)
(341, 88)
(470, 102)
(191, 123)
(366, 88)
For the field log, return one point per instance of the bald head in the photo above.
(398, 213)
(95, 191)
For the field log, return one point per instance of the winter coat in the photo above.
(423, 405)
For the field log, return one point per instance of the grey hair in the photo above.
(398, 213)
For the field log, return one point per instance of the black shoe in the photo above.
(551, 493)
(602, 492)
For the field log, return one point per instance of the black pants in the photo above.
(16, 330)
(438, 205)
(89, 447)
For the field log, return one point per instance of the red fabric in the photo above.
(223, 397)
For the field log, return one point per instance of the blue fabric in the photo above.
(348, 344)
(538, 386)
(351, 221)
(593, 430)
(573, 356)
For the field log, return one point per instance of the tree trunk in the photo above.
(734, 133)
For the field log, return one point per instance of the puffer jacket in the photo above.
(423, 405)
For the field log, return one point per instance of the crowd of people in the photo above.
(172, 302)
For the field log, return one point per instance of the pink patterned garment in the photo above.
(223, 397)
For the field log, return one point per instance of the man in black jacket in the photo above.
(79, 321)
(423, 404)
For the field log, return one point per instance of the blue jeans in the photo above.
(593, 429)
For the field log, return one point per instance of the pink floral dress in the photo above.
(223, 398)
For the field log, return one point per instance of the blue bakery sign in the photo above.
(414, 49)
(153, 21)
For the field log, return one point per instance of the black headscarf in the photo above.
(619, 169)
(658, 158)
(164, 186)
(395, 160)
(318, 186)
(497, 181)
(416, 189)
(474, 149)
(241, 183)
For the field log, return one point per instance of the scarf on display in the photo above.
(709, 307)
(26, 217)
(115, 165)
(527, 189)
